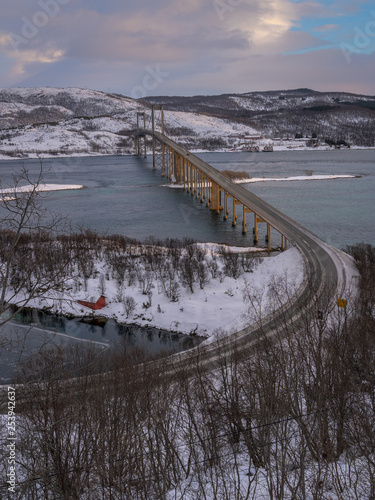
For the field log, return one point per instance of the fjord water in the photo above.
(123, 195)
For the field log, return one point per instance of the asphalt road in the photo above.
(321, 284)
(322, 270)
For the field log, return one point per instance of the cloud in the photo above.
(202, 48)
(326, 27)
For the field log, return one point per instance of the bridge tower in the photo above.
(140, 138)
(162, 157)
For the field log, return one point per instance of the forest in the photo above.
(291, 418)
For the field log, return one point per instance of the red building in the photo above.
(99, 304)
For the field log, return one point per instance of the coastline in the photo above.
(277, 149)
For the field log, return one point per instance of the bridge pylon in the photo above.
(207, 184)
(160, 154)
(140, 138)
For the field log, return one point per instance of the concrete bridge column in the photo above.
(208, 191)
(180, 170)
(198, 184)
(226, 211)
(235, 203)
(169, 162)
(258, 220)
(214, 196)
(256, 238)
(268, 237)
(221, 196)
(164, 152)
(283, 242)
(188, 176)
(244, 223)
(172, 170)
(203, 182)
(184, 171)
(173, 165)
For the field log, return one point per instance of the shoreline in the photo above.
(279, 149)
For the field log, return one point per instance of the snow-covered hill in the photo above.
(51, 121)
(73, 121)
(328, 115)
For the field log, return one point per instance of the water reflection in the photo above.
(33, 329)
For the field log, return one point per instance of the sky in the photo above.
(188, 47)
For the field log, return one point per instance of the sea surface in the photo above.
(123, 195)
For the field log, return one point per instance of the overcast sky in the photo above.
(188, 47)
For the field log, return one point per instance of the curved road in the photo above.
(324, 270)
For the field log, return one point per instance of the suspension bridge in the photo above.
(205, 182)
(325, 277)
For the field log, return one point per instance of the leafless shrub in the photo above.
(129, 305)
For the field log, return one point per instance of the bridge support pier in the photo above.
(283, 243)
(215, 197)
(268, 238)
(246, 210)
(256, 238)
(235, 203)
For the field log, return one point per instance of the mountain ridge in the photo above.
(69, 121)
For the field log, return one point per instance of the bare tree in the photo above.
(26, 241)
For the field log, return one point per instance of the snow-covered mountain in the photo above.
(51, 121)
(333, 115)
(73, 121)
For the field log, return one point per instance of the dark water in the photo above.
(124, 195)
(34, 329)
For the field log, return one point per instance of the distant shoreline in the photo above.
(48, 156)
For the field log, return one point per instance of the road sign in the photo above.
(341, 303)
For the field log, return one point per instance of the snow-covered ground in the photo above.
(39, 188)
(222, 304)
(296, 178)
(284, 179)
